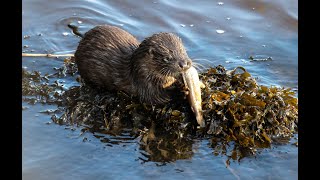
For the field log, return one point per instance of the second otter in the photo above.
(112, 58)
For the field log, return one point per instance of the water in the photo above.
(250, 28)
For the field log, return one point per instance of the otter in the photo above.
(111, 58)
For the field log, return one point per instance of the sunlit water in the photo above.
(213, 33)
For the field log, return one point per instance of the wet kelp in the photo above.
(241, 116)
(46, 89)
(251, 115)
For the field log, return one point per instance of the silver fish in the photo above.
(193, 84)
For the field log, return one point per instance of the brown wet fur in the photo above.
(111, 58)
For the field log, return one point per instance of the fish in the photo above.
(193, 84)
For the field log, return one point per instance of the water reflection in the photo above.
(162, 146)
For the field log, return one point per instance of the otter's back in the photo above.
(103, 56)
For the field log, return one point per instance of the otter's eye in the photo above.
(166, 59)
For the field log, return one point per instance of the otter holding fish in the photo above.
(112, 58)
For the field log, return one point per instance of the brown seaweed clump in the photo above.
(238, 112)
(251, 115)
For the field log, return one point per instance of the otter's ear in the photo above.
(151, 50)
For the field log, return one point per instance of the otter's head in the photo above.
(166, 53)
(156, 64)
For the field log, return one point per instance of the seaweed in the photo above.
(241, 116)
(240, 110)
(37, 88)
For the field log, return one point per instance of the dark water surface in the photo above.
(251, 28)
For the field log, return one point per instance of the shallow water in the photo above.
(251, 28)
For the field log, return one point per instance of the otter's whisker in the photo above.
(162, 70)
(202, 60)
(199, 66)
(156, 79)
(168, 73)
(163, 74)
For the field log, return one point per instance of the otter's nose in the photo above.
(184, 65)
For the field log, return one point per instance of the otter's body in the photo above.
(103, 57)
(112, 58)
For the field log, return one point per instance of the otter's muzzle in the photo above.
(184, 64)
